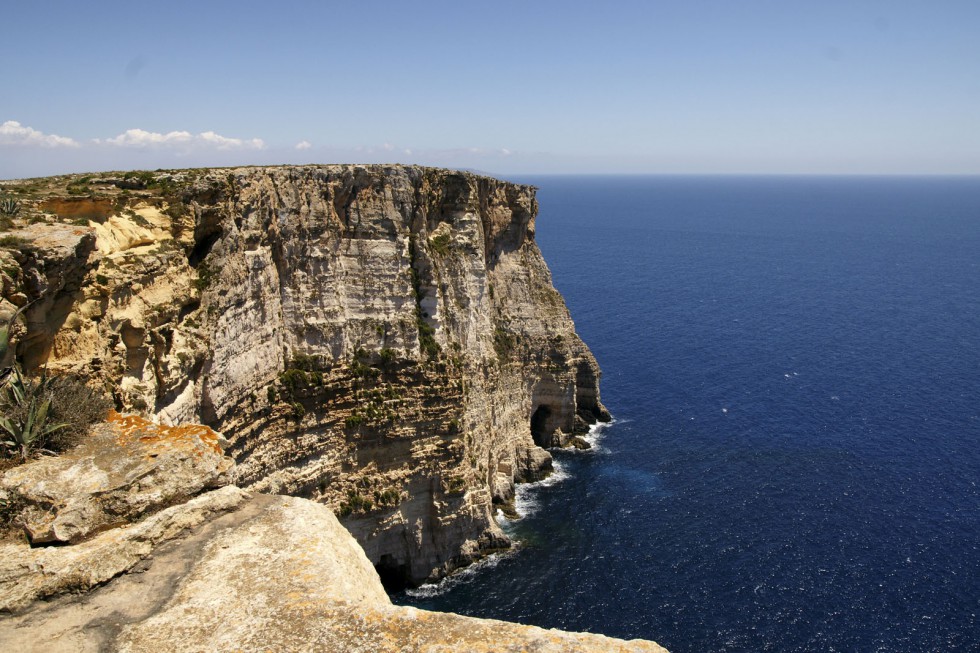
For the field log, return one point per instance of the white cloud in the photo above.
(143, 138)
(303, 145)
(13, 133)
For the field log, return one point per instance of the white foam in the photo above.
(465, 575)
(525, 499)
(596, 433)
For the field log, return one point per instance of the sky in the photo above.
(678, 87)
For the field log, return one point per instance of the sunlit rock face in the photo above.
(384, 340)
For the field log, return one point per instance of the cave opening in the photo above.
(394, 576)
(539, 426)
(203, 246)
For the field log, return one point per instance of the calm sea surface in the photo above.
(794, 369)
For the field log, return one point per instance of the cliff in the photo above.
(384, 340)
(381, 343)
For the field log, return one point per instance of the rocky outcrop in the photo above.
(126, 468)
(384, 340)
(227, 570)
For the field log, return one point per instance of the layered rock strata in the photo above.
(384, 340)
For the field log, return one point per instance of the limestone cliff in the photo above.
(381, 339)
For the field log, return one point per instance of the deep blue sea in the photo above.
(793, 364)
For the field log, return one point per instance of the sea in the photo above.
(793, 368)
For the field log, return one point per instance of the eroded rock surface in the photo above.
(127, 467)
(273, 573)
(384, 340)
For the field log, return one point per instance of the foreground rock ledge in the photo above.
(274, 574)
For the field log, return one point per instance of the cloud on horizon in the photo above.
(15, 134)
(42, 154)
(181, 139)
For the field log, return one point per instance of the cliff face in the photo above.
(383, 340)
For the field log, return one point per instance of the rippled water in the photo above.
(794, 368)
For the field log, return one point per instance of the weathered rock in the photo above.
(127, 468)
(28, 573)
(382, 339)
(277, 574)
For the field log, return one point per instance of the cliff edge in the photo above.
(384, 340)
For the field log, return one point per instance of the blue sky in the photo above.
(504, 87)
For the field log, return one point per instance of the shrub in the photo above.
(13, 242)
(205, 276)
(47, 413)
(353, 420)
(389, 497)
(440, 244)
(387, 357)
(427, 338)
(9, 207)
(78, 406)
(293, 379)
(503, 342)
(305, 362)
(356, 502)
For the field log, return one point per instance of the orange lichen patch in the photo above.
(134, 427)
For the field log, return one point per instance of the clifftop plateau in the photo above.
(382, 340)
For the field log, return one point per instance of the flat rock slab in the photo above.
(277, 574)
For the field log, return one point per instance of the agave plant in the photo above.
(5, 338)
(9, 207)
(25, 423)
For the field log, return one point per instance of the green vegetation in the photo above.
(25, 422)
(439, 243)
(12, 242)
(306, 363)
(43, 414)
(453, 484)
(9, 207)
(360, 368)
(388, 497)
(427, 339)
(79, 186)
(503, 343)
(353, 420)
(206, 275)
(388, 357)
(356, 502)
